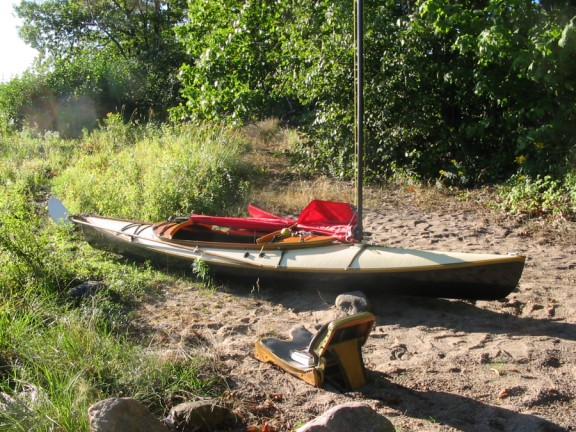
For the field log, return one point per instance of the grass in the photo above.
(277, 184)
(60, 355)
(172, 170)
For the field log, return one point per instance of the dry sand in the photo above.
(433, 364)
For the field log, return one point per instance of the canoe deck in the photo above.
(317, 263)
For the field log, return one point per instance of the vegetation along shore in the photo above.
(151, 109)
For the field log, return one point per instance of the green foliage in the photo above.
(156, 173)
(477, 84)
(233, 45)
(61, 367)
(41, 257)
(202, 271)
(30, 160)
(480, 84)
(254, 59)
(15, 101)
(58, 359)
(318, 69)
(70, 96)
(60, 354)
(97, 58)
(538, 196)
(25, 255)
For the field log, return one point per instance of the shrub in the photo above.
(161, 171)
(541, 195)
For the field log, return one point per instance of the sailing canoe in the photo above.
(300, 261)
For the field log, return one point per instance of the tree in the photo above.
(466, 92)
(512, 65)
(234, 47)
(123, 54)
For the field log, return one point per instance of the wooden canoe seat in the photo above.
(333, 355)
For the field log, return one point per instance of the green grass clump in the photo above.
(59, 355)
(542, 195)
(60, 365)
(29, 160)
(159, 172)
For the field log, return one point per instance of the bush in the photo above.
(540, 196)
(156, 173)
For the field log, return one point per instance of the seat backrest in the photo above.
(356, 326)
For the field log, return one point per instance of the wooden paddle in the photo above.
(284, 232)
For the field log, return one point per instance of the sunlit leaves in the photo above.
(122, 55)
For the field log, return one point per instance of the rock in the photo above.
(352, 416)
(353, 302)
(198, 415)
(88, 288)
(123, 415)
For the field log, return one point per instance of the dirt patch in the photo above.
(433, 364)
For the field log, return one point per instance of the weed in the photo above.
(203, 272)
(165, 171)
(538, 196)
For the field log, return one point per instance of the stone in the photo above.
(85, 289)
(123, 415)
(198, 415)
(351, 416)
(353, 302)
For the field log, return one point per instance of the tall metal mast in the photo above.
(359, 111)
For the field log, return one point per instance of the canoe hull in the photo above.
(487, 282)
(482, 279)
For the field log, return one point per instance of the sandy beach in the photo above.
(433, 364)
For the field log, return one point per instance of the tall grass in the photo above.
(61, 364)
(172, 170)
(29, 160)
(58, 356)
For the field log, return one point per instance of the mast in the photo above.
(359, 112)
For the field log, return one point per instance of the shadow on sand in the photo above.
(421, 311)
(461, 413)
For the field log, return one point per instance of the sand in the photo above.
(433, 364)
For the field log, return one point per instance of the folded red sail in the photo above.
(335, 219)
(258, 224)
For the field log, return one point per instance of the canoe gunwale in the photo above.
(194, 244)
(199, 249)
(486, 279)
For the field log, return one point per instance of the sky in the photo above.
(15, 55)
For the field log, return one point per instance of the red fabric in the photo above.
(247, 223)
(335, 219)
(256, 212)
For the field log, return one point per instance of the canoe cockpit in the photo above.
(192, 231)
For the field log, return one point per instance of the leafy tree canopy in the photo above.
(119, 54)
(465, 91)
